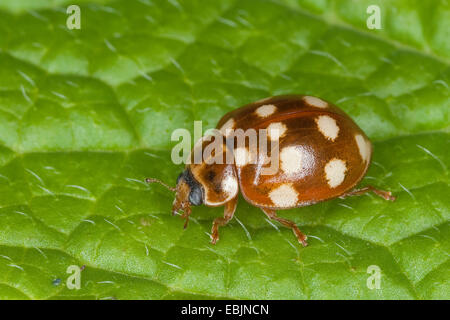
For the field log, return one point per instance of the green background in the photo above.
(86, 115)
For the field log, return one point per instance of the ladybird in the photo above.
(322, 154)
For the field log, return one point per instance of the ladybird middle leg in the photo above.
(230, 208)
(387, 195)
(287, 223)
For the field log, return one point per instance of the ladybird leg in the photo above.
(230, 208)
(185, 215)
(287, 223)
(387, 195)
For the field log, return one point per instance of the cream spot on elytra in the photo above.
(230, 186)
(328, 127)
(241, 156)
(335, 172)
(227, 127)
(315, 102)
(265, 110)
(363, 146)
(276, 130)
(291, 160)
(284, 196)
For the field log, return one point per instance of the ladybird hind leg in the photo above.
(230, 208)
(387, 195)
(287, 223)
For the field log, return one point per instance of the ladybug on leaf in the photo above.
(317, 153)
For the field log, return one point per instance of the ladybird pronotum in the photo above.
(323, 154)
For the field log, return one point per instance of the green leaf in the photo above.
(86, 115)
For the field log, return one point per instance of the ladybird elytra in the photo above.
(321, 154)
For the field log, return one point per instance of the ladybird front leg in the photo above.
(186, 213)
(387, 195)
(230, 208)
(287, 223)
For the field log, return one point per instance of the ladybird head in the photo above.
(189, 192)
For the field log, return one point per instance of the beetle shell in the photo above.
(322, 154)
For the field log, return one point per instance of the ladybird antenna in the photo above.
(152, 180)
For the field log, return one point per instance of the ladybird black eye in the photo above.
(196, 196)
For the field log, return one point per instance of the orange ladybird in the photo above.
(321, 154)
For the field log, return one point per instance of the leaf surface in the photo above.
(86, 115)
